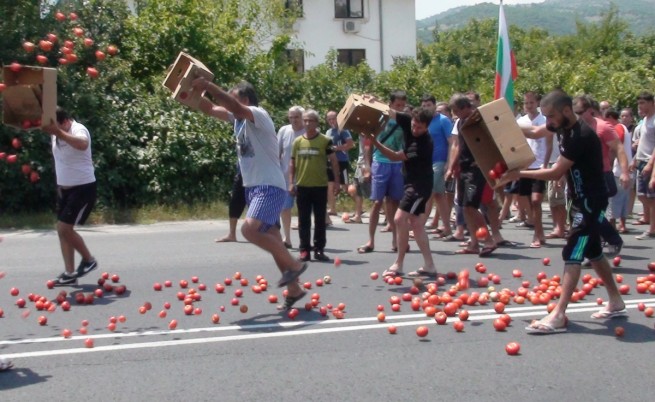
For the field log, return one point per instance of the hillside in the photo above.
(558, 17)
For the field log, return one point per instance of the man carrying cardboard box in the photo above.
(263, 180)
(581, 160)
(76, 192)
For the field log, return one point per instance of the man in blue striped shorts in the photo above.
(263, 180)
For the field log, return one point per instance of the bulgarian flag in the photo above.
(505, 63)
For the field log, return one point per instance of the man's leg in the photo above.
(557, 318)
(304, 204)
(285, 219)
(318, 202)
(604, 272)
(235, 208)
(443, 211)
(417, 224)
(70, 241)
(401, 226)
(537, 218)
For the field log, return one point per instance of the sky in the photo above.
(428, 8)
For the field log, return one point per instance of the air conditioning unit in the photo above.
(350, 26)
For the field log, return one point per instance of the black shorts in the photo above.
(415, 198)
(470, 187)
(237, 198)
(343, 172)
(74, 204)
(512, 187)
(529, 186)
(584, 238)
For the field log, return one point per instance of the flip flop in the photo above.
(640, 222)
(544, 329)
(391, 273)
(645, 236)
(289, 301)
(535, 244)
(290, 276)
(451, 237)
(224, 240)
(606, 314)
(364, 249)
(505, 243)
(466, 251)
(486, 251)
(351, 220)
(423, 272)
(554, 236)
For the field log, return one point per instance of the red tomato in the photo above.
(500, 324)
(422, 331)
(458, 326)
(619, 331)
(392, 329)
(482, 233)
(513, 348)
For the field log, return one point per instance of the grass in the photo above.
(143, 216)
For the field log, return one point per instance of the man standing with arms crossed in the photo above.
(259, 159)
(76, 192)
(581, 160)
(285, 138)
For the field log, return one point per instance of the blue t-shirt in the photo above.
(338, 139)
(440, 130)
(392, 138)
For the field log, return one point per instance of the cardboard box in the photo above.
(179, 78)
(493, 135)
(30, 99)
(363, 116)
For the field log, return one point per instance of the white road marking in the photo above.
(475, 315)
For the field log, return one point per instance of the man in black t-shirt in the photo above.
(581, 160)
(410, 215)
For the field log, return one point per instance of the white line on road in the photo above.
(475, 315)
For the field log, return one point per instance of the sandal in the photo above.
(452, 237)
(392, 273)
(466, 251)
(554, 236)
(290, 276)
(423, 272)
(645, 236)
(289, 301)
(506, 243)
(364, 249)
(486, 251)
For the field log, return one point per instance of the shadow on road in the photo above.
(20, 377)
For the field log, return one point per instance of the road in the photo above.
(264, 355)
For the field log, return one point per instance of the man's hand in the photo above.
(52, 128)
(507, 177)
(200, 83)
(625, 180)
(292, 189)
(648, 169)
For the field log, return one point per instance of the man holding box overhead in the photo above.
(263, 180)
(76, 192)
(581, 161)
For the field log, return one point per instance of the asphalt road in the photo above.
(264, 355)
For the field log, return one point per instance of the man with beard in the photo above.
(581, 160)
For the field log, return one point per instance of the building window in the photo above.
(295, 6)
(351, 57)
(296, 57)
(348, 8)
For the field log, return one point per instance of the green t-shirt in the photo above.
(310, 157)
(392, 138)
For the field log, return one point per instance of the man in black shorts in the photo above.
(236, 207)
(410, 215)
(470, 181)
(581, 160)
(76, 192)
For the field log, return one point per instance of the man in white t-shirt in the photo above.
(531, 188)
(263, 180)
(76, 192)
(285, 138)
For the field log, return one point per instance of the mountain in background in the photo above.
(558, 17)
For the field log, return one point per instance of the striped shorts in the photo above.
(584, 239)
(265, 204)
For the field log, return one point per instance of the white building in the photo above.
(374, 30)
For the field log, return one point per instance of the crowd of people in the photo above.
(591, 163)
(419, 167)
